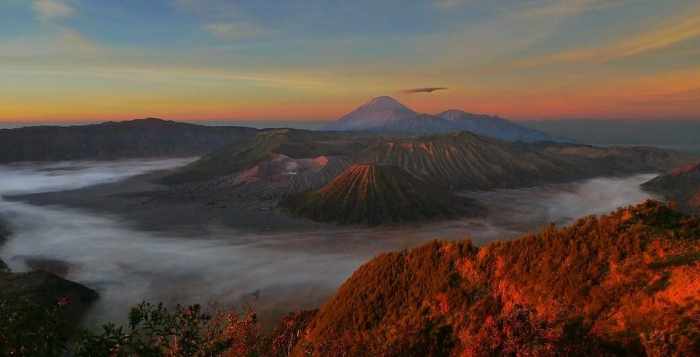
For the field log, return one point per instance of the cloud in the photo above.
(221, 18)
(565, 8)
(234, 30)
(52, 9)
(449, 3)
(210, 9)
(422, 90)
(661, 37)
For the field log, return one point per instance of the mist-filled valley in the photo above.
(276, 272)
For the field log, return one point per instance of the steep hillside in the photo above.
(468, 161)
(264, 146)
(681, 186)
(377, 194)
(622, 284)
(465, 160)
(115, 140)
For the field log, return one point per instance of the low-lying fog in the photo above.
(276, 273)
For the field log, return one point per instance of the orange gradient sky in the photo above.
(79, 60)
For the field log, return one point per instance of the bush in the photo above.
(28, 329)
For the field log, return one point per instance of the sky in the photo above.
(87, 60)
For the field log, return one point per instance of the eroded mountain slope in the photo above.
(377, 194)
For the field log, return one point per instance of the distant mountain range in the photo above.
(386, 114)
(143, 138)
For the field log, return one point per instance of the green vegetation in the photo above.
(31, 329)
(28, 329)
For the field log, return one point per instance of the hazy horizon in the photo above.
(670, 134)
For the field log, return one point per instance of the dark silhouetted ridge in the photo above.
(141, 138)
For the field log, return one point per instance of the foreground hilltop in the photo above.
(682, 186)
(377, 194)
(622, 284)
(387, 115)
(141, 138)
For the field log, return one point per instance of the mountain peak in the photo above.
(385, 103)
(378, 112)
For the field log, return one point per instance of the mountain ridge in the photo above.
(140, 138)
(386, 114)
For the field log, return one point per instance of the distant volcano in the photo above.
(375, 114)
(386, 114)
(377, 194)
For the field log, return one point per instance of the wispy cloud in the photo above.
(563, 8)
(55, 38)
(52, 9)
(422, 90)
(234, 30)
(222, 18)
(210, 9)
(445, 4)
(661, 37)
